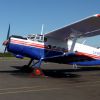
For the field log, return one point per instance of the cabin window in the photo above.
(42, 38)
(20, 37)
(45, 39)
(37, 37)
(31, 37)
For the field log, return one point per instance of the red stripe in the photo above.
(98, 15)
(89, 55)
(27, 43)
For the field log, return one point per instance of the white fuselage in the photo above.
(78, 47)
(84, 48)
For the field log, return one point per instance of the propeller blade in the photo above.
(8, 35)
(8, 32)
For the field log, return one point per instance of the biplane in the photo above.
(58, 46)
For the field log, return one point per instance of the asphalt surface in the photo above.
(61, 82)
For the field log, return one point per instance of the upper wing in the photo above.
(69, 58)
(84, 28)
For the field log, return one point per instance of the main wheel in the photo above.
(37, 72)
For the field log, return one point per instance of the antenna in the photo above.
(42, 29)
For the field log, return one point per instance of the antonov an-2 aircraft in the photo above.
(58, 46)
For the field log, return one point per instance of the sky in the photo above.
(27, 16)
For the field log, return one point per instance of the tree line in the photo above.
(7, 54)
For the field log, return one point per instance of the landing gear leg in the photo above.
(27, 68)
(37, 71)
(75, 66)
(30, 62)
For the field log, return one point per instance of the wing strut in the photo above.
(75, 34)
(73, 44)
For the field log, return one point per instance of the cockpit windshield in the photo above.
(37, 37)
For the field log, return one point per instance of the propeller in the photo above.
(8, 33)
(7, 39)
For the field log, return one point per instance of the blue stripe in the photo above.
(32, 52)
(87, 63)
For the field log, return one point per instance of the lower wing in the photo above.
(74, 58)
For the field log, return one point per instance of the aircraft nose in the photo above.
(5, 42)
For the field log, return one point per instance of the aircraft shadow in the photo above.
(55, 73)
(60, 73)
(47, 72)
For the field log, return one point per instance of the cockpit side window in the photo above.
(37, 38)
(45, 39)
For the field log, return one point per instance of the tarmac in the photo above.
(62, 82)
